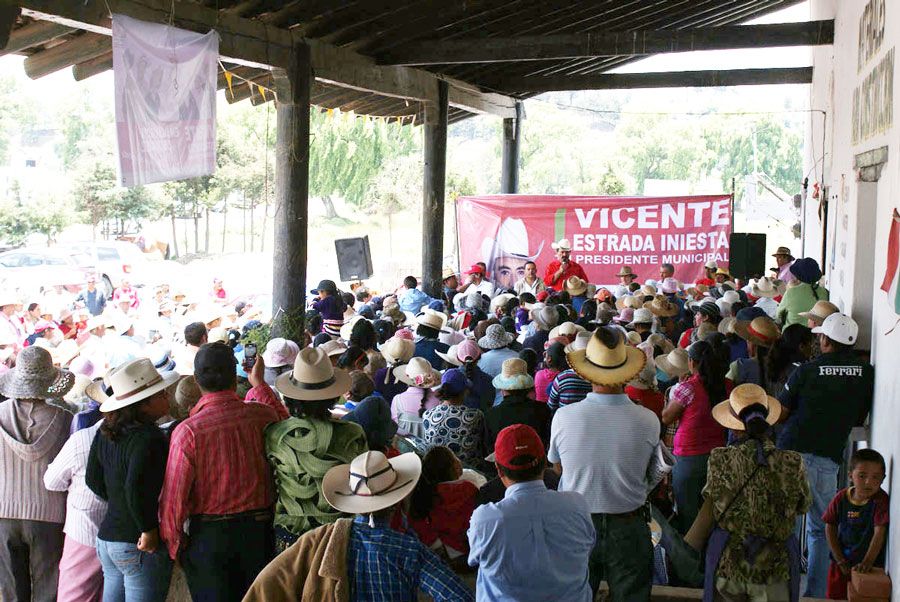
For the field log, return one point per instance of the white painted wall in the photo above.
(859, 219)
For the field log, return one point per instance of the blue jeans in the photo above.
(822, 476)
(131, 575)
(688, 481)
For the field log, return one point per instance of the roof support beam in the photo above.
(609, 43)
(258, 44)
(674, 79)
(33, 34)
(92, 67)
(83, 48)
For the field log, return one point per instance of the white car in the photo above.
(31, 270)
(115, 261)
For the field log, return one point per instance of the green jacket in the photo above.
(301, 451)
(799, 299)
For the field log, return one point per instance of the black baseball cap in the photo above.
(325, 285)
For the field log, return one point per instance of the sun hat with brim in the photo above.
(331, 348)
(496, 337)
(708, 308)
(727, 413)
(625, 316)
(575, 286)
(65, 352)
(633, 338)
(723, 272)
(545, 318)
(641, 316)
(648, 290)
(670, 286)
(281, 352)
(418, 373)
(325, 285)
(397, 350)
(763, 332)
(135, 381)
(500, 301)
(219, 334)
(674, 363)
(662, 307)
(371, 482)
(313, 378)
(347, 328)
(450, 356)
(782, 252)
(764, 287)
(513, 376)
(566, 329)
(806, 269)
(820, 311)
(34, 377)
(626, 271)
(601, 365)
(431, 319)
(726, 326)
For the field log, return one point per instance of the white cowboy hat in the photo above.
(280, 352)
(218, 334)
(601, 365)
(674, 363)
(123, 324)
(431, 318)
(500, 301)
(641, 316)
(512, 241)
(332, 347)
(418, 373)
(371, 482)
(397, 351)
(820, 311)
(34, 377)
(569, 329)
(562, 244)
(764, 287)
(135, 381)
(313, 377)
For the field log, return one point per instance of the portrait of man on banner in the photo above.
(507, 253)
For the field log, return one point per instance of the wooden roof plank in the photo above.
(92, 67)
(76, 50)
(34, 34)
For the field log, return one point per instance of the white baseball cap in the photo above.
(839, 327)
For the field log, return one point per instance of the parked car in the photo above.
(32, 270)
(115, 261)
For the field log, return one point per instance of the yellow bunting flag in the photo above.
(329, 113)
(228, 76)
(262, 91)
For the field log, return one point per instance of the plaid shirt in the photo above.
(217, 463)
(389, 566)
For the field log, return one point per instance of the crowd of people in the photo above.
(533, 441)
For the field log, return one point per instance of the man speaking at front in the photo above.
(562, 268)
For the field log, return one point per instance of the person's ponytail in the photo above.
(424, 401)
(469, 368)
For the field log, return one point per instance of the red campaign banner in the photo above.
(606, 233)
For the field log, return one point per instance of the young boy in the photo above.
(856, 522)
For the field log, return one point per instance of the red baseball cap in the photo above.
(475, 269)
(542, 296)
(518, 440)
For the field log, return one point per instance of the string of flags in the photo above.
(266, 92)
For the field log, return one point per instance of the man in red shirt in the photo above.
(218, 477)
(563, 268)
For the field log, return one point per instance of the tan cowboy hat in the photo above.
(500, 301)
(219, 334)
(727, 413)
(762, 331)
(632, 301)
(431, 318)
(135, 381)
(674, 363)
(418, 373)
(331, 348)
(626, 271)
(566, 329)
(544, 317)
(782, 251)
(764, 287)
(397, 351)
(723, 272)
(313, 377)
(447, 272)
(633, 338)
(648, 290)
(575, 286)
(661, 306)
(820, 311)
(371, 482)
(603, 366)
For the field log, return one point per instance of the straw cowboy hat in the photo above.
(726, 326)
(447, 272)
(626, 271)
(820, 311)
(65, 352)
(313, 377)
(632, 301)
(500, 301)
(280, 352)
(764, 287)
(371, 482)
(727, 413)
(330, 348)
(135, 381)
(34, 377)
(633, 338)
(661, 306)
(563, 244)
(575, 286)
(513, 376)
(762, 332)
(545, 318)
(511, 241)
(641, 316)
(495, 337)
(397, 350)
(418, 373)
(674, 363)
(566, 329)
(601, 365)
(648, 290)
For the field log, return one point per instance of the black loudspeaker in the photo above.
(747, 256)
(354, 258)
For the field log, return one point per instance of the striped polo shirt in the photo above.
(567, 388)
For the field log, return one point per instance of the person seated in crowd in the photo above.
(577, 289)
(430, 324)
(530, 282)
(477, 281)
(373, 414)
(544, 319)
(441, 504)
(302, 447)
(351, 359)
(278, 357)
(517, 406)
(709, 277)
(465, 355)
(554, 363)
(408, 407)
(362, 559)
(361, 386)
(642, 322)
(497, 345)
(452, 424)
(643, 389)
(567, 388)
(218, 446)
(32, 432)
(794, 347)
(410, 298)
(397, 352)
(760, 334)
(363, 335)
(511, 539)
(330, 306)
(195, 335)
(705, 312)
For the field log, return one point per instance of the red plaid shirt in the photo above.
(217, 463)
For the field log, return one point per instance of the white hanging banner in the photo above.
(165, 81)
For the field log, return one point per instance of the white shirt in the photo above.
(604, 444)
(768, 305)
(84, 510)
(534, 288)
(484, 287)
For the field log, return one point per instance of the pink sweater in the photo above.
(542, 380)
